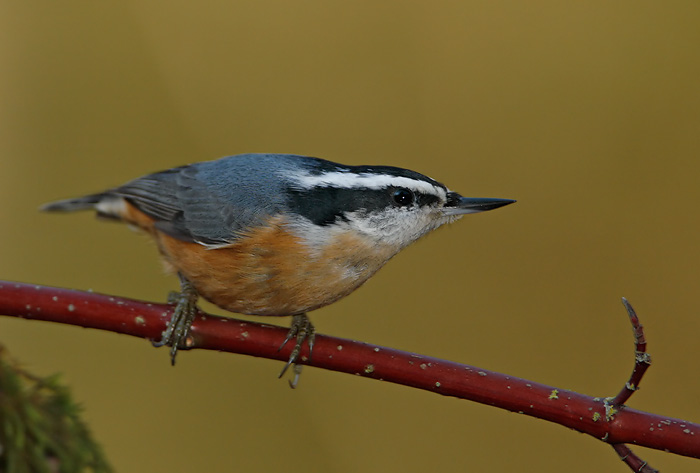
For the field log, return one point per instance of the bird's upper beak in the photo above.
(458, 205)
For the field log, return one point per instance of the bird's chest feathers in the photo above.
(272, 271)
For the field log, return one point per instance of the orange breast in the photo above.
(270, 271)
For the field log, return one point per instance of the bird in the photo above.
(276, 234)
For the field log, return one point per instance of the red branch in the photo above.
(610, 422)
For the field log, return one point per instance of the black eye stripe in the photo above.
(326, 205)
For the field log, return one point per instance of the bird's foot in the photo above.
(176, 333)
(301, 329)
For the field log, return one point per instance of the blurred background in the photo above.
(587, 113)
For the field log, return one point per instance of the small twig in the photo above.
(642, 360)
(633, 461)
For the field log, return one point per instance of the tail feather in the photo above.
(70, 205)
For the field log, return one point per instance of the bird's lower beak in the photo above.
(458, 205)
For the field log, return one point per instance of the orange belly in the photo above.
(270, 271)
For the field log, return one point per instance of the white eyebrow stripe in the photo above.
(347, 180)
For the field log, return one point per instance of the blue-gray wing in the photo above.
(211, 203)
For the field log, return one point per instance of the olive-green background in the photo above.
(588, 113)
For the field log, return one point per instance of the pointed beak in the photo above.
(458, 205)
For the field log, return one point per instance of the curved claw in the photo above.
(297, 373)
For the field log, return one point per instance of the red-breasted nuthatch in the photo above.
(268, 234)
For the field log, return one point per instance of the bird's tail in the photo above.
(70, 205)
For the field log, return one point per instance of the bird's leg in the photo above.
(175, 334)
(301, 329)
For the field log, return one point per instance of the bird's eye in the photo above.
(403, 197)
